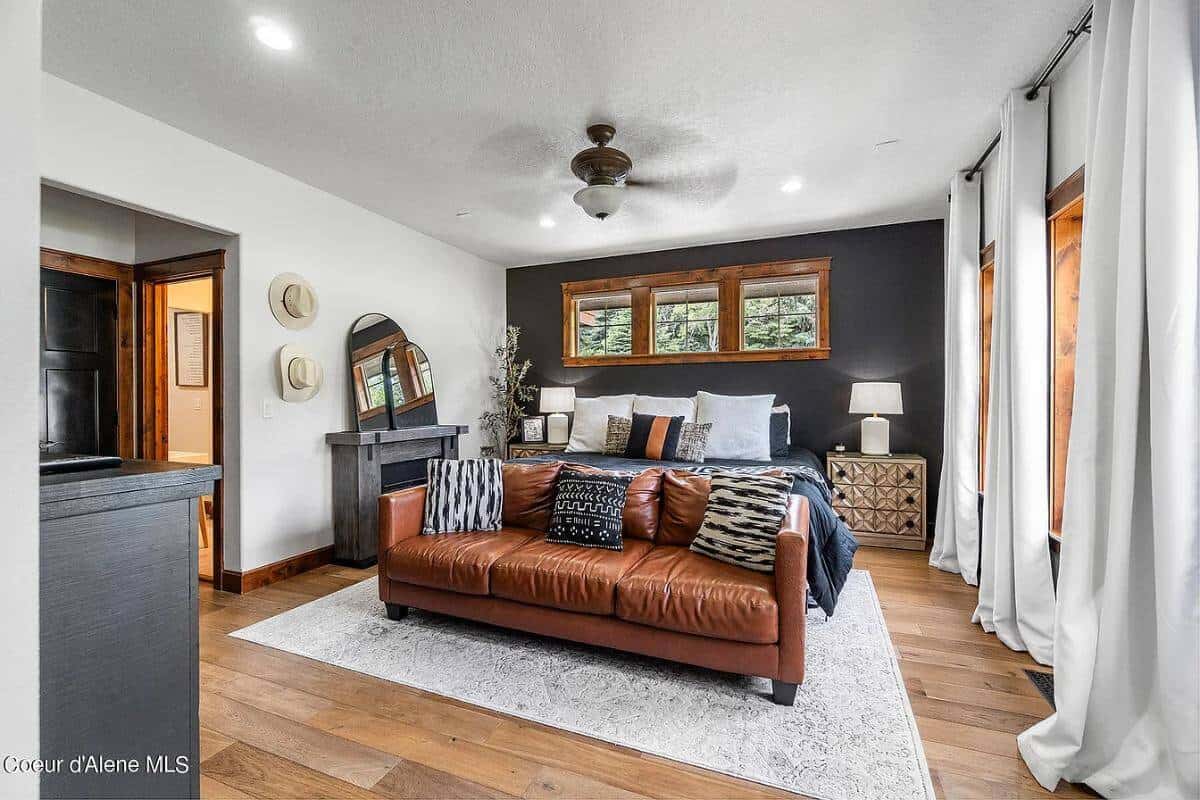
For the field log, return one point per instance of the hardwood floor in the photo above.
(278, 725)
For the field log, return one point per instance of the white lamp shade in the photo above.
(875, 398)
(557, 400)
(600, 201)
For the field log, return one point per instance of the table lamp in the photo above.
(875, 399)
(557, 401)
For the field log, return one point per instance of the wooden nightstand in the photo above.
(518, 450)
(880, 498)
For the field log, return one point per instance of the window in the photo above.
(1066, 237)
(779, 314)
(605, 325)
(776, 311)
(685, 320)
(987, 280)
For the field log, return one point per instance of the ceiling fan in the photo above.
(604, 169)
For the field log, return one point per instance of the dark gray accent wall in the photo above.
(886, 323)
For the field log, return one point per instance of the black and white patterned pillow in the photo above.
(693, 441)
(742, 519)
(587, 509)
(616, 438)
(466, 495)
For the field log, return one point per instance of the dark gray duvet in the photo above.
(831, 546)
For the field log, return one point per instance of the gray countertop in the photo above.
(130, 476)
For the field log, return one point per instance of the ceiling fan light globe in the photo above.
(601, 201)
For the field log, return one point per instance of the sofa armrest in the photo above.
(791, 588)
(400, 516)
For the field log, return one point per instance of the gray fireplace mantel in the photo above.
(359, 460)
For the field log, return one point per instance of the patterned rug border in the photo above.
(882, 633)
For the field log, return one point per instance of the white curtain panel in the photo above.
(956, 531)
(1127, 634)
(1016, 591)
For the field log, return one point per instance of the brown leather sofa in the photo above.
(656, 597)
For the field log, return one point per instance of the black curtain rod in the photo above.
(1083, 26)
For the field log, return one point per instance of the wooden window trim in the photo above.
(729, 290)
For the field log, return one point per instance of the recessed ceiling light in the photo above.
(792, 185)
(547, 221)
(271, 34)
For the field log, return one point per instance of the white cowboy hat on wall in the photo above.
(300, 375)
(293, 301)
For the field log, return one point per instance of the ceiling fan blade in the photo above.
(700, 186)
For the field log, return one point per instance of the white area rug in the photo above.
(851, 733)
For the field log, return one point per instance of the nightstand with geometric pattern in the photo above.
(518, 450)
(880, 498)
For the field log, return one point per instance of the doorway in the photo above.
(180, 308)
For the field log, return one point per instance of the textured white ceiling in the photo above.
(420, 110)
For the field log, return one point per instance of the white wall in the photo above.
(20, 64)
(1068, 132)
(449, 301)
(85, 226)
(1068, 114)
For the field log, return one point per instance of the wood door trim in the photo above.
(154, 277)
(1066, 194)
(987, 255)
(122, 275)
(196, 265)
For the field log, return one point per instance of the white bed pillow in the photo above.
(741, 425)
(666, 406)
(590, 428)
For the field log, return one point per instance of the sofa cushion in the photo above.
(529, 494)
(676, 589)
(640, 517)
(458, 562)
(684, 498)
(565, 576)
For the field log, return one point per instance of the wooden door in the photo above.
(78, 371)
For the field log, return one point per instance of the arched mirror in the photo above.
(391, 380)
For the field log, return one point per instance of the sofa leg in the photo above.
(783, 693)
(398, 612)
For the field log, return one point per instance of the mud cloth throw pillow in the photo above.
(466, 495)
(587, 509)
(742, 519)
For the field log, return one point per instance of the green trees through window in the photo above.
(605, 325)
(779, 314)
(685, 320)
(772, 311)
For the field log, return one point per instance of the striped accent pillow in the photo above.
(653, 437)
(742, 519)
(466, 495)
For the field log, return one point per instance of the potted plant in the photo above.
(508, 396)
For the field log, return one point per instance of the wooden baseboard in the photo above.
(242, 582)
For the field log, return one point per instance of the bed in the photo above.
(831, 545)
